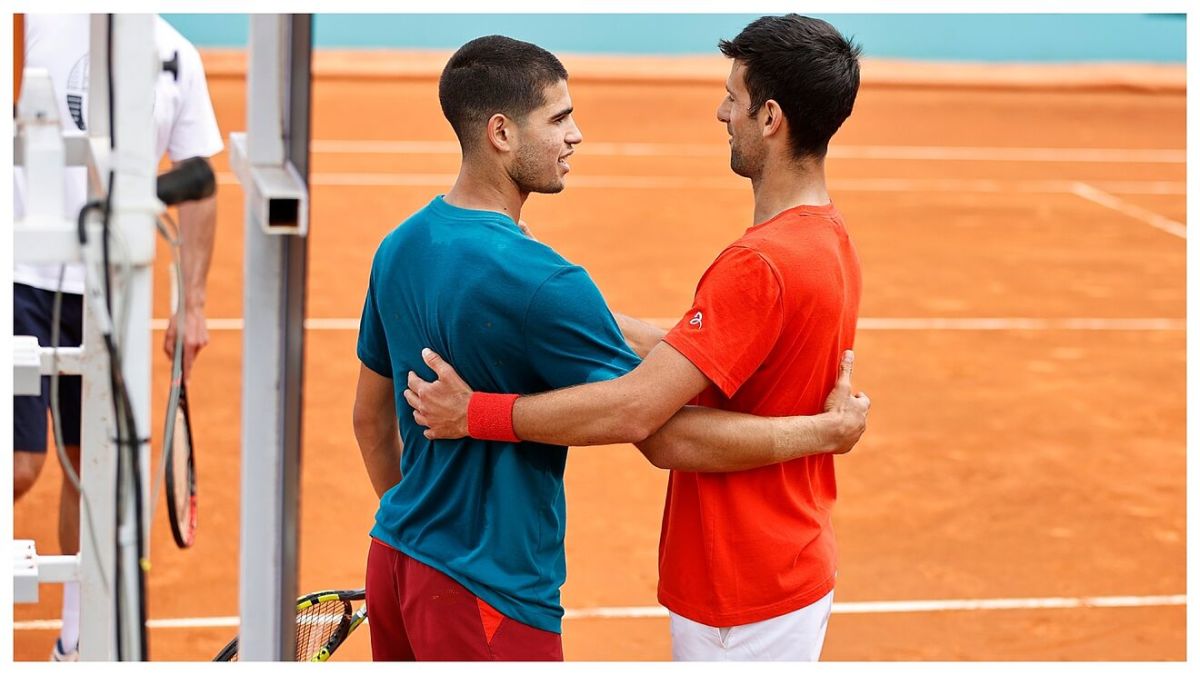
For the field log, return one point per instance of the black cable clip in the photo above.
(140, 442)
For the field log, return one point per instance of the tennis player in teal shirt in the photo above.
(517, 317)
(467, 555)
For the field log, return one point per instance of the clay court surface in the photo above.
(1039, 454)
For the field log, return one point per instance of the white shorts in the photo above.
(795, 636)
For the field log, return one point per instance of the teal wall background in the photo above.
(1159, 38)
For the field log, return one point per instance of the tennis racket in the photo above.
(180, 466)
(179, 463)
(323, 622)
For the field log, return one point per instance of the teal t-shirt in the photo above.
(510, 315)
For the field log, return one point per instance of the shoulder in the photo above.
(168, 39)
(746, 256)
(170, 42)
(562, 278)
(391, 242)
(564, 293)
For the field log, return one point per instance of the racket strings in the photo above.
(323, 622)
(317, 623)
(181, 468)
(169, 230)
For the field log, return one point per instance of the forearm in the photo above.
(599, 413)
(710, 440)
(380, 446)
(197, 232)
(640, 335)
(623, 410)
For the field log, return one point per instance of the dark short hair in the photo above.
(495, 74)
(808, 67)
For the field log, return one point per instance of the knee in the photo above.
(26, 468)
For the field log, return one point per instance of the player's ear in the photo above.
(771, 118)
(500, 132)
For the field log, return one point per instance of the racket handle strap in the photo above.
(490, 417)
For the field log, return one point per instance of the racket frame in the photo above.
(185, 535)
(343, 631)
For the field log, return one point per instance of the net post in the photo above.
(275, 143)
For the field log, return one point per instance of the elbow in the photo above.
(659, 459)
(631, 431)
(662, 454)
(363, 422)
(629, 411)
(633, 423)
(642, 347)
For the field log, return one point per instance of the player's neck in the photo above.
(785, 185)
(486, 189)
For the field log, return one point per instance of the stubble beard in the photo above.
(525, 175)
(745, 156)
(739, 162)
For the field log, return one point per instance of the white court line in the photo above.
(864, 323)
(1093, 194)
(653, 612)
(184, 622)
(956, 185)
(916, 185)
(912, 606)
(981, 154)
(888, 152)
(1010, 323)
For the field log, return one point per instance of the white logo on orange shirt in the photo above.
(697, 321)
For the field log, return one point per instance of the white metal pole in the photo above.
(98, 465)
(270, 375)
(134, 71)
(98, 475)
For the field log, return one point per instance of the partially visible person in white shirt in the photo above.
(186, 127)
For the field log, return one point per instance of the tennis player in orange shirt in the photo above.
(747, 560)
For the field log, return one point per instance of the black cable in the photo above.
(112, 365)
(104, 244)
(112, 129)
(127, 440)
(118, 570)
(126, 423)
(81, 222)
(114, 383)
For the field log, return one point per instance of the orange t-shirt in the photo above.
(771, 318)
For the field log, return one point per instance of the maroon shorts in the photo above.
(416, 613)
